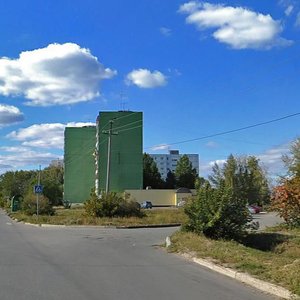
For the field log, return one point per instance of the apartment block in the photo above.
(168, 162)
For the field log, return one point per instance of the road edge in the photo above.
(259, 284)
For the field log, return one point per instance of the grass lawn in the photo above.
(270, 256)
(77, 216)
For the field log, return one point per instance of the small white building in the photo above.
(57, 163)
(168, 162)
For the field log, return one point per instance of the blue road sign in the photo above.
(38, 189)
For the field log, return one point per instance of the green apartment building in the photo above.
(79, 163)
(86, 155)
(126, 161)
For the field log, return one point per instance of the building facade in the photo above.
(86, 155)
(79, 163)
(168, 162)
(125, 129)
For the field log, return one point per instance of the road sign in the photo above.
(38, 189)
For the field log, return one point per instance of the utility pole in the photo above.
(110, 134)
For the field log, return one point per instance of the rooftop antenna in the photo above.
(122, 102)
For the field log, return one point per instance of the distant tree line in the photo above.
(21, 183)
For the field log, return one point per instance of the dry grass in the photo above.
(78, 217)
(274, 257)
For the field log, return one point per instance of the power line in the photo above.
(118, 118)
(130, 128)
(233, 130)
(128, 124)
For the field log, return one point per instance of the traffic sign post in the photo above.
(38, 189)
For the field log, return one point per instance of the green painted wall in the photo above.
(79, 163)
(126, 150)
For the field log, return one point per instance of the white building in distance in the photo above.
(57, 163)
(168, 162)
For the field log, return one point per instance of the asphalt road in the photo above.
(91, 263)
(267, 219)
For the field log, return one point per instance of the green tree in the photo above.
(245, 176)
(200, 181)
(170, 182)
(258, 187)
(292, 160)
(52, 181)
(220, 208)
(151, 175)
(16, 183)
(22, 182)
(29, 205)
(217, 212)
(185, 173)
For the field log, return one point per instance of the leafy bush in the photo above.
(286, 201)
(29, 205)
(4, 203)
(129, 209)
(111, 205)
(217, 213)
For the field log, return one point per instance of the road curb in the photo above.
(100, 226)
(261, 285)
(149, 226)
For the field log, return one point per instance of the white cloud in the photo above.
(10, 115)
(165, 31)
(190, 7)
(297, 23)
(272, 159)
(288, 6)
(144, 78)
(211, 144)
(238, 27)
(56, 75)
(48, 135)
(289, 10)
(24, 157)
(160, 147)
(205, 167)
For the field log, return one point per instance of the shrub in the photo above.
(217, 213)
(111, 205)
(29, 205)
(129, 209)
(92, 206)
(4, 203)
(286, 201)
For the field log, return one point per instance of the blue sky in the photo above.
(193, 68)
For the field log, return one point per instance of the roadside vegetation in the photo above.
(78, 216)
(274, 257)
(216, 230)
(220, 210)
